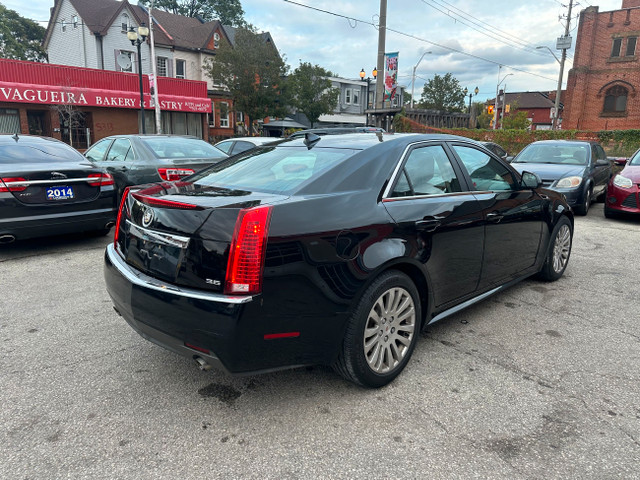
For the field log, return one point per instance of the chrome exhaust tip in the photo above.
(202, 365)
(108, 225)
(7, 238)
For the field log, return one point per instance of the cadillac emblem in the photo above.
(147, 217)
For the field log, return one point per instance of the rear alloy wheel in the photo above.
(559, 251)
(382, 332)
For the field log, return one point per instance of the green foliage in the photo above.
(620, 143)
(311, 91)
(229, 12)
(484, 120)
(20, 38)
(443, 93)
(516, 121)
(400, 123)
(406, 97)
(254, 73)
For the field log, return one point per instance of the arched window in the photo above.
(615, 99)
(126, 23)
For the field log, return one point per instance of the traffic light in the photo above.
(507, 108)
(490, 109)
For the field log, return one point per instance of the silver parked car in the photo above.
(233, 146)
(140, 159)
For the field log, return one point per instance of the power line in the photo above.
(415, 37)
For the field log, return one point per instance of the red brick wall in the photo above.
(630, 3)
(594, 71)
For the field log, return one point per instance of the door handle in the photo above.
(428, 225)
(494, 217)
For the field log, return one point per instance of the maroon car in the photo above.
(623, 190)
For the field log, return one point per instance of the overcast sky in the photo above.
(345, 46)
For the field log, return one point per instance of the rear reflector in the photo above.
(272, 336)
(101, 179)
(248, 248)
(171, 174)
(123, 206)
(12, 184)
(161, 202)
(198, 349)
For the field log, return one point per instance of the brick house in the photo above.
(602, 86)
(538, 106)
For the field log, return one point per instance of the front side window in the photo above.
(96, 153)
(181, 68)
(427, 171)
(631, 46)
(121, 151)
(161, 64)
(487, 173)
(615, 99)
(617, 44)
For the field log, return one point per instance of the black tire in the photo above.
(583, 209)
(553, 267)
(392, 346)
(608, 213)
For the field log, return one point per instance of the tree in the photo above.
(20, 38)
(311, 91)
(443, 93)
(254, 74)
(229, 12)
(406, 98)
(517, 121)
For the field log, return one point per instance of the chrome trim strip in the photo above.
(145, 281)
(160, 237)
(435, 195)
(66, 180)
(464, 305)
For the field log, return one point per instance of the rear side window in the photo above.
(487, 173)
(427, 171)
(241, 146)
(273, 170)
(121, 151)
(179, 147)
(45, 152)
(96, 153)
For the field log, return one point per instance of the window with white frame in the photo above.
(355, 98)
(131, 58)
(181, 68)
(126, 23)
(74, 20)
(347, 96)
(63, 25)
(161, 65)
(240, 118)
(224, 114)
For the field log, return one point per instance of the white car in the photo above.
(233, 146)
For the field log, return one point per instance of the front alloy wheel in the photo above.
(382, 331)
(561, 249)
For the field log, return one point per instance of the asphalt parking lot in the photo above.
(541, 381)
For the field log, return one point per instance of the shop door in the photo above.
(38, 123)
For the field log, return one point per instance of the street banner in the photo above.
(390, 76)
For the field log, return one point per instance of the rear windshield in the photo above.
(177, 147)
(281, 170)
(45, 152)
(555, 154)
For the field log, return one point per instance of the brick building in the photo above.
(537, 105)
(602, 87)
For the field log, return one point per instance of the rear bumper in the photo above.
(57, 223)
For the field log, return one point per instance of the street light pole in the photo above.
(413, 76)
(137, 38)
(374, 73)
(495, 104)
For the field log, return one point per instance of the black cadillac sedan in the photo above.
(49, 188)
(329, 250)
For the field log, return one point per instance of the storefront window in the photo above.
(9, 120)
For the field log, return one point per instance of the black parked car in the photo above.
(329, 250)
(578, 169)
(49, 188)
(139, 159)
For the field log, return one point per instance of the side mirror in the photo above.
(530, 180)
(602, 163)
(508, 158)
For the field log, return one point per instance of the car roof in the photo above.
(361, 141)
(27, 139)
(254, 140)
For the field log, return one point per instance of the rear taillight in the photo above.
(161, 202)
(172, 174)
(123, 206)
(248, 248)
(12, 184)
(101, 179)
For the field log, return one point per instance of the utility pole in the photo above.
(155, 74)
(382, 27)
(563, 44)
(504, 105)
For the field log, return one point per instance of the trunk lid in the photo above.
(182, 232)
